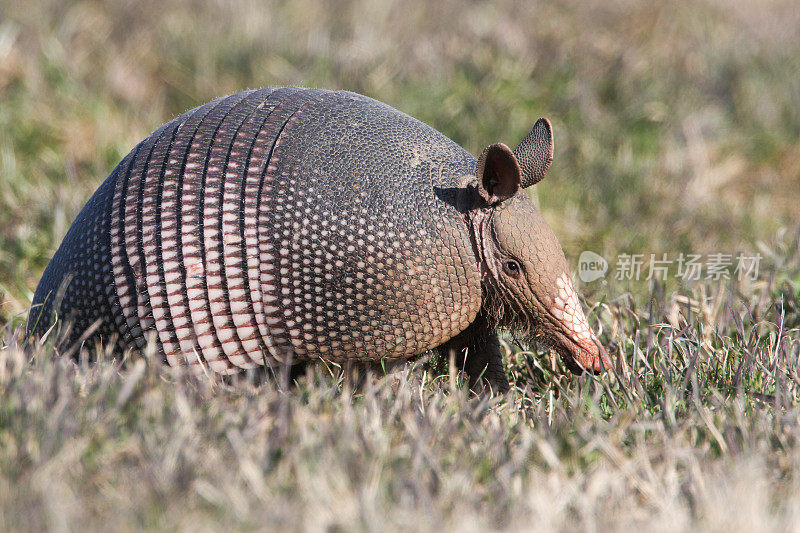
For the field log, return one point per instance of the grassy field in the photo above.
(677, 130)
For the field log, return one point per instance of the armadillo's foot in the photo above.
(477, 352)
(491, 381)
(484, 366)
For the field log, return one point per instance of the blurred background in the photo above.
(677, 124)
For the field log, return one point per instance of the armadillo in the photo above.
(293, 224)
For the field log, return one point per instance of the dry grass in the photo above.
(677, 128)
(699, 427)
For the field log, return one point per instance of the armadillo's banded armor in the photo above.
(273, 223)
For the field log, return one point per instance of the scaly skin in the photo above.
(285, 225)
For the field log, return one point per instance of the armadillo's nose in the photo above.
(590, 356)
(582, 346)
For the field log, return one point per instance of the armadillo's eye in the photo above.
(511, 268)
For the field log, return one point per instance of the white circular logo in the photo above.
(591, 266)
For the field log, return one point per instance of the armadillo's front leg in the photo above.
(477, 351)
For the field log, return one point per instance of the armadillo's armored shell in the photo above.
(271, 224)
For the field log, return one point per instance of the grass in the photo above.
(701, 416)
(677, 129)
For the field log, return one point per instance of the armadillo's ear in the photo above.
(498, 173)
(535, 153)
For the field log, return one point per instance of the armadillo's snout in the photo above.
(590, 357)
(577, 342)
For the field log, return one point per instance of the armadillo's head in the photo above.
(529, 287)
